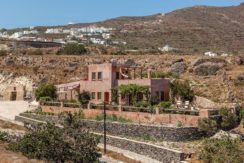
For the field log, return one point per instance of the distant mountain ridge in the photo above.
(193, 29)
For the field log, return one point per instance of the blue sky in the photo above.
(25, 13)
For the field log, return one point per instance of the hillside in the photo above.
(192, 29)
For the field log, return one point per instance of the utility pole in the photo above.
(104, 127)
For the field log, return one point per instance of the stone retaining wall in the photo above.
(131, 129)
(159, 153)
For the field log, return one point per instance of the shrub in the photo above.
(120, 52)
(221, 150)
(182, 89)
(143, 104)
(84, 97)
(112, 118)
(228, 119)
(53, 144)
(179, 124)
(35, 52)
(165, 104)
(45, 99)
(73, 49)
(242, 116)
(3, 53)
(3, 136)
(46, 90)
(207, 125)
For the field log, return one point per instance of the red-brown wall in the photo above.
(137, 117)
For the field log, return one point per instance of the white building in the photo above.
(17, 35)
(106, 36)
(210, 54)
(54, 31)
(167, 48)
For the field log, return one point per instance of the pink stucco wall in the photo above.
(109, 81)
(137, 117)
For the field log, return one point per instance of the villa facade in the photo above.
(103, 78)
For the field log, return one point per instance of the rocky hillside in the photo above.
(192, 29)
(219, 79)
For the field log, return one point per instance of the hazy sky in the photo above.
(25, 13)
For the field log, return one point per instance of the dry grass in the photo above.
(9, 125)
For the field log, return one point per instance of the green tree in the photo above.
(84, 97)
(73, 49)
(224, 150)
(46, 90)
(182, 89)
(54, 144)
(228, 119)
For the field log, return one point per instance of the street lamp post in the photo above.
(104, 127)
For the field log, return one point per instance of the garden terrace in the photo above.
(149, 115)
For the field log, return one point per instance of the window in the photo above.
(117, 75)
(99, 95)
(162, 96)
(100, 76)
(93, 94)
(93, 76)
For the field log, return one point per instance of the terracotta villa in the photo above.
(102, 78)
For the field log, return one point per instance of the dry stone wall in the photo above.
(131, 129)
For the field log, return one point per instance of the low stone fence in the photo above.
(138, 117)
(129, 129)
(159, 153)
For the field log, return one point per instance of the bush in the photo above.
(112, 118)
(242, 116)
(3, 53)
(207, 125)
(3, 136)
(182, 89)
(84, 97)
(120, 52)
(35, 52)
(73, 49)
(179, 124)
(53, 144)
(228, 119)
(143, 104)
(45, 91)
(221, 150)
(165, 104)
(45, 99)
